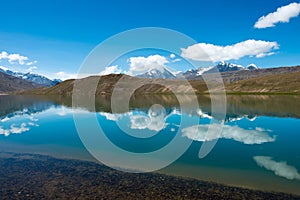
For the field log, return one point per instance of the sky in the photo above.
(54, 37)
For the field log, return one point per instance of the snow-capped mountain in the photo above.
(36, 78)
(194, 73)
(158, 73)
(220, 67)
(226, 67)
(252, 67)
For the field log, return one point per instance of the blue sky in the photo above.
(60, 34)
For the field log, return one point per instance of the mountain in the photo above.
(269, 83)
(35, 78)
(158, 73)
(226, 67)
(10, 83)
(252, 67)
(221, 67)
(39, 79)
(272, 80)
(194, 73)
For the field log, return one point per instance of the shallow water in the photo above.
(257, 148)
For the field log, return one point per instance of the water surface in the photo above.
(258, 147)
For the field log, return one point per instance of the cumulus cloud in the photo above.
(64, 75)
(111, 70)
(282, 14)
(199, 133)
(12, 58)
(31, 63)
(279, 168)
(30, 69)
(14, 129)
(142, 64)
(211, 52)
(108, 70)
(176, 60)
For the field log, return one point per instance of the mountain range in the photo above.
(10, 83)
(237, 79)
(158, 73)
(31, 77)
(279, 80)
(196, 73)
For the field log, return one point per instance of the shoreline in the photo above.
(47, 169)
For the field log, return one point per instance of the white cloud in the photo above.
(282, 14)
(14, 129)
(211, 52)
(172, 55)
(12, 58)
(264, 54)
(279, 168)
(111, 70)
(31, 63)
(64, 75)
(199, 133)
(143, 64)
(176, 60)
(30, 69)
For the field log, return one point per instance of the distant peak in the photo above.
(222, 63)
(252, 67)
(3, 68)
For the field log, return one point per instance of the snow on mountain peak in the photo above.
(201, 70)
(3, 68)
(29, 76)
(252, 67)
(157, 73)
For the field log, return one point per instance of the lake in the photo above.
(257, 148)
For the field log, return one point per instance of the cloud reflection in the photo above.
(198, 133)
(279, 168)
(14, 129)
(154, 119)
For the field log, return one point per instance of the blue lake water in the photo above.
(257, 148)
